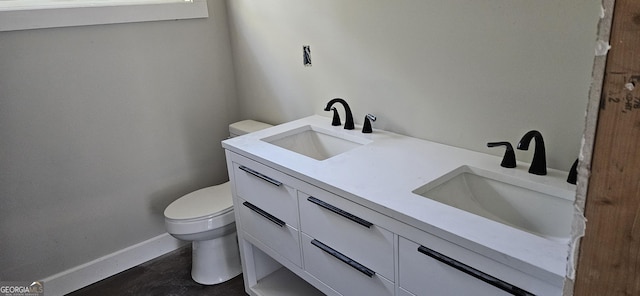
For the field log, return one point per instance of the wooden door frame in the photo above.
(608, 191)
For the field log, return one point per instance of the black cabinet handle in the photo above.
(340, 212)
(262, 213)
(261, 176)
(498, 283)
(359, 267)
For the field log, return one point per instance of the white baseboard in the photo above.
(82, 275)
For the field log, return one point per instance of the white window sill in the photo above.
(38, 18)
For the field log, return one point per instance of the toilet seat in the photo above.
(201, 203)
(199, 211)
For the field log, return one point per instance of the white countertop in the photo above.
(381, 175)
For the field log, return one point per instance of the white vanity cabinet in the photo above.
(298, 239)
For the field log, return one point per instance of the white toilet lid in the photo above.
(210, 201)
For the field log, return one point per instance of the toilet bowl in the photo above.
(205, 217)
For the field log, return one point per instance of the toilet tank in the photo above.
(246, 126)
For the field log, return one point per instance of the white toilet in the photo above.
(206, 218)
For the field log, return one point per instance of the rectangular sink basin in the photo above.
(537, 208)
(316, 142)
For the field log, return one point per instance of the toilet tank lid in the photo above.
(209, 201)
(247, 126)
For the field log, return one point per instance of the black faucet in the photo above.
(348, 124)
(539, 162)
(509, 159)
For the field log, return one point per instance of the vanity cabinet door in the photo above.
(421, 274)
(267, 189)
(341, 273)
(345, 226)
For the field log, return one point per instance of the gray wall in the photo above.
(101, 127)
(459, 72)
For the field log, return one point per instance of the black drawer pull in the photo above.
(343, 258)
(340, 212)
(261, 176)
(498, 283)
(262, 213)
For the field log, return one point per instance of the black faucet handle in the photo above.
(573, 173)
(336, 117)
(509, 158)
(366, 128)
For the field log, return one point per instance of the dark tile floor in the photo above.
(169, 274)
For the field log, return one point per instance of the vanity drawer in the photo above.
(343, 277)
(270, 230)
(345, 226)
(422, 274)
(267, 189)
